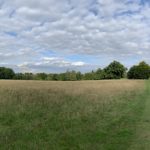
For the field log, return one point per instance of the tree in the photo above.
(41, 76)
(140, 71)
(70, 75)
(19, 76)
(98, 74)
(6, 73)
(79, 75)
(114, 70)
(89, 75)
(55, 77)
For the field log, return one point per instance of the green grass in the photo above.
(45, 117)
(142, 138)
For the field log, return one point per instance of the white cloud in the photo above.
(47, 63)
(30, 29)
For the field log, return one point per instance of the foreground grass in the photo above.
(88, 115)
(142, 138)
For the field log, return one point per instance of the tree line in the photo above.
(115, 70)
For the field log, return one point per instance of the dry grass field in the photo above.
(81, 115)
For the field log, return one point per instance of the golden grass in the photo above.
(103, 87)
(97, 91)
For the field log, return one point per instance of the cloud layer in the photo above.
(54, 36)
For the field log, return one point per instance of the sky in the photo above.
(82, 35)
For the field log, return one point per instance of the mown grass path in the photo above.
(142, 140)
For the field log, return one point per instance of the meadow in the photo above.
(80, 115)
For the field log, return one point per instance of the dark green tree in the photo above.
(41, 76)
(114, 70)
(79, 75)
(55, 77)
(19, 76)
(140, 71)
(6, 73)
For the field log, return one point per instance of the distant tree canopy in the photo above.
(140, 71)
(6, 73)
(24, 76)
(115, 70)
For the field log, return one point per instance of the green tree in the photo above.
(62, 76)
(6, 73)
(98, 74)
(140, 71)
(41, 76)
(28, 76)
(55, 77)
(19, 76)
(71, 75)
(114, 70)
(89, 76)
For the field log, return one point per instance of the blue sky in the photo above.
(54, 35)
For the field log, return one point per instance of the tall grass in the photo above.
(86, 115)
